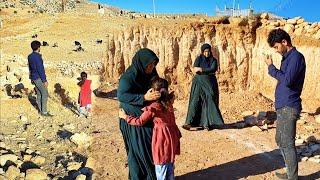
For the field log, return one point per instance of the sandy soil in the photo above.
(219, 154)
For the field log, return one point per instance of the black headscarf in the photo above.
(141, 59)
(204, 47)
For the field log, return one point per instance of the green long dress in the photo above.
(133, 84)
(203, 110)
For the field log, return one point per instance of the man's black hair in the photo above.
(35, 45)
(277, 35)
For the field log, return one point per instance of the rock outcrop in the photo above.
(238, 43)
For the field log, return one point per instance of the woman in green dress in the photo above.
(203, 110)
(133, 94)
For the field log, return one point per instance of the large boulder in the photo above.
(7, 157)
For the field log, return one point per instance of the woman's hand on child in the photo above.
(152, 95)
(122, 114)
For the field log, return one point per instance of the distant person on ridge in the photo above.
(290, 79)
(38, 78)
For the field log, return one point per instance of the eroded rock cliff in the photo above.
(237, 43)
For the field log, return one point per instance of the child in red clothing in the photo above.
(166, 135)
(84, 95)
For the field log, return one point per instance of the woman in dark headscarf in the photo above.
(203, 108)
(133, 94)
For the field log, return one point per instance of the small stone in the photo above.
(304, 159)
(29, 151)
(3, 151)
(53, 143)
(317, 118)
(73, 166)
(23, 118)
(90, 163)
(312, 159)
(36, 174)
(202, 20)
(255, 128)
(22, 176)
(69, 127)
(299, 21)
(82, 139)
(310, 128)
(292, 21)
(19, 163)
(12, 172)
(301, 121)
(247, 113)
(39, 160)
(3, 145)
(264, 16)
(81, 177)
(27, 157)
(299, 141)
(7, 157)
(264, 127)
(22, 145)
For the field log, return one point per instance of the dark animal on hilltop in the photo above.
(99, 41)
(77, 43)
(44, 43)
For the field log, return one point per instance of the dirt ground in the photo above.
(233, 153)
(219, 154)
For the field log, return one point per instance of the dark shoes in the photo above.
(46, 114)
(209, 128)
(281, 175)
(186, 127)
(218, 126)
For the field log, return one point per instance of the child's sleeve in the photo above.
(147, 115)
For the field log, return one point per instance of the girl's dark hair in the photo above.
(83, 75)
(277, 35)
(162, 85)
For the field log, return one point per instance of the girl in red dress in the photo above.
(84, 95)
(166, 135)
